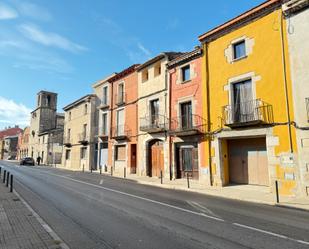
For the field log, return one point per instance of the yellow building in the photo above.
(247, 101)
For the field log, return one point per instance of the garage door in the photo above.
(248, 161)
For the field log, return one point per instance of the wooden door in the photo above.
(189, 162)
(157, 158)
(133, 159)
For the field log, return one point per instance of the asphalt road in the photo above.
(92, 211)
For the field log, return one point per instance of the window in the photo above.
(69, 134)
(83, 153)
(239, 50)
(120, 98)
(157, 69)
(43, 139)
(104, 123)
(186, 115)
(120, 122)
(67, 154)
(48, 101)
(70, 116)
(85, 130)
(154, 112)
(85, 109)
(145, 75)
(120, 153)
(185, 73)
(105, 96)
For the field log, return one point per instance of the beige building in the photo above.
(153, 112)
(46, 130)
(80, 134)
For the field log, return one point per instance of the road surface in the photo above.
(93, 211)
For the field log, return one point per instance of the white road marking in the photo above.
(101, 182)
(201, 208)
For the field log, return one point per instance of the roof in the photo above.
(185, 57)
(124, 73)
(239, 20)
(10, 132)
(102, 81)
(168, 55)
(77, 102)
(293, 6)
(42, 91)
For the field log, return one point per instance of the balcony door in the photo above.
(243, 106)
(120, 122)
(120, 93)
(186, 115)
(154, 112)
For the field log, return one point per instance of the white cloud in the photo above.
(12, 113)
(6, 12)
(33, 11)
(34, 33)
(143, 49)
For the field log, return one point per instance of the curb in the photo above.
(46, 227)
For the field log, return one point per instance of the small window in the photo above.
(157, 70)
(104, 123)
(105, 96)
(85, 109)
(67, 154)
(145, 75)
(83, 153)
(70, 116)
(239, 50)
(185, 71)
(120, 153)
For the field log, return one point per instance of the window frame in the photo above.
(117, 154)
(105, 96)
(234, 45)
(183, 70)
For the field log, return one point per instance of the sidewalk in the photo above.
(19, 227)
(257, 194)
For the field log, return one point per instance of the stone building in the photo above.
(80, 147)
(46, 130)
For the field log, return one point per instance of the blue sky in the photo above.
(66, 45)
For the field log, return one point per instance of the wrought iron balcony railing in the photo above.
(153, 123)
(67, 141)
(83, 138)
(253, 112)
(121, 132)
(104, 103)
(307, 108)
(120, 98)
(186, 125)
(103, 133)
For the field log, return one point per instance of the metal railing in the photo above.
(104, 103)
(187, 123)
(67, 140)
(251, 112)
(121, 132)
(103, 133)
(83, 138)
(307, 108)
(120, 98)
(153, 123)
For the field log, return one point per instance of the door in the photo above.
(186, 115)
(103, 154)
(133, 159)
(242, 101)
(154, 112)
(157, 158)
(188, 161)
(248, 161)
(120, 123)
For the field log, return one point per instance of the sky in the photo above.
(65, 46)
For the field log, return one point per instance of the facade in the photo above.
(46, 130)
(297, 16)
(153, 112)
(23, 143)
(122, 142)
(10, 147)
(80, 134)
(187, 128)
(248, 101)
(103, 91)
(4, 143)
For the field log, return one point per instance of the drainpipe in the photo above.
(208, 112)
(111, 119)
(169, 126)
(285, 82)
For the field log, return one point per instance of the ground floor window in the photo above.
(187, 161)
(120, 152)
(83, 153)
(67, 154)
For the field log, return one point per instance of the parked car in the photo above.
(27, 161)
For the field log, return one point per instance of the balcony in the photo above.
(67, 141)
(120, 98)
(249, 113)
(121, 132)
(153, 123)
(188, 125)
(103, 134)
(104, 104)
(307, 108)
(83, 138)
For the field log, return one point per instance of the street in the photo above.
(96, 211)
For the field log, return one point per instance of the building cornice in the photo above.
(184, 58)
(83, 99)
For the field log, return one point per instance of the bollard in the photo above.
(7, 179)
(105, 167)
(124, 172)
(0, 171)
(161, 176)
(91, 169)
(188, 181)
(111, 170)
(277, 191)
(11, 184)
(83, 168)
(4, 175)
(100, 169)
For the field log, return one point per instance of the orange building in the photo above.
(187, 127)
(122, 142)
